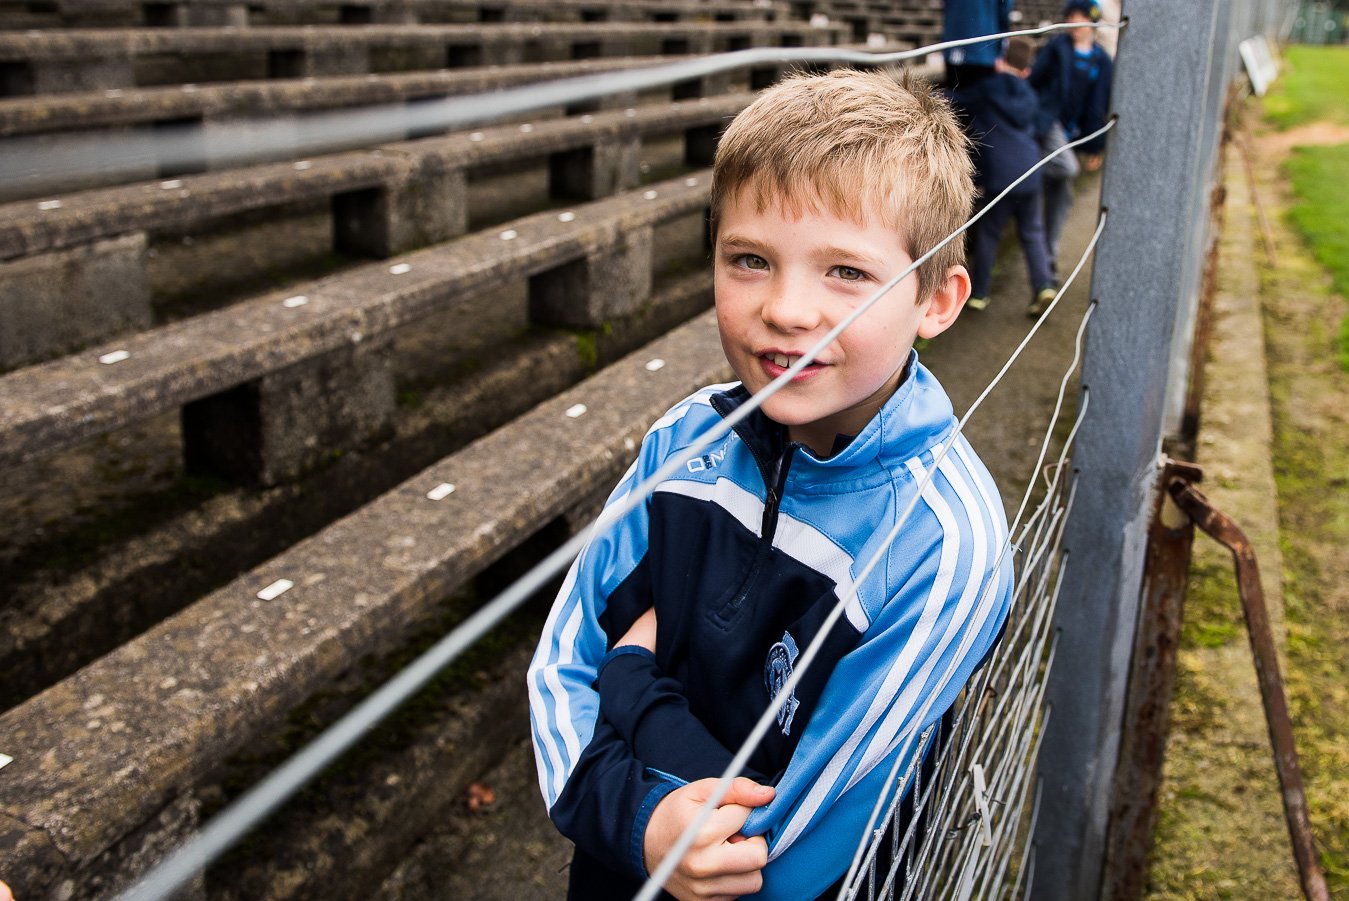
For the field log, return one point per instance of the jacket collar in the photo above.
(914, 418)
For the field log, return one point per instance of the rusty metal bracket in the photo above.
(1147, 711)
(1226, 532)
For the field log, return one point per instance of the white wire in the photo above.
(264, 797)
(290, 136)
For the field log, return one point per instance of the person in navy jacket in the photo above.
(962, 19)
(1071, 78)
(1003, 110)
(849, 490)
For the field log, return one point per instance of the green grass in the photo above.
(1321, 215)
(1312, 87)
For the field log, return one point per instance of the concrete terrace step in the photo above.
(378, 203)
(593, 266)
(198, 13)
(234, 101)
(28, 228)
(54, 62)
(58, 614)
(100, 756)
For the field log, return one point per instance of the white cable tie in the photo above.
(298, 300)
(5, 760)
(400, 268)
(115, 356)
(440, 492)
(171, 184)
(49, 204)
(655, 365)
(275, 590)
(981, 802)
(576, 411)
(301, 165)
(509, 234)
(568, 216)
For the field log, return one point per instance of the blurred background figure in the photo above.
(971, 19)
(1071, 78)
(1108, 37)
(1002, 109)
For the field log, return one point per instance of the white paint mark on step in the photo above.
(440, 492)
(275, 590)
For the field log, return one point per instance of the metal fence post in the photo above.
(1156, 191)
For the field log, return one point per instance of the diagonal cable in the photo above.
(268, 794)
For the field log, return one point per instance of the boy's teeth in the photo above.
(782, 360)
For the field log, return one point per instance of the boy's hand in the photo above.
(721, 864)
(1091, 161)
(643, 632)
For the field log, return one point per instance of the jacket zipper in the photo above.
(775, 485)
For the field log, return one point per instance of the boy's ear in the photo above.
(945, 303)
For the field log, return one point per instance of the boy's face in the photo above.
(783, 281)
(1081, 35)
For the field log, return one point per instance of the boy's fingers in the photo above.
(724, 822)
(714, 861)
(749, 793)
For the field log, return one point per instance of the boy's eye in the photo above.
(849, 274)
(751, 261)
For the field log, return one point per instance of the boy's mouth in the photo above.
(776, 363)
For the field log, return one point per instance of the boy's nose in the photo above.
(790, 310)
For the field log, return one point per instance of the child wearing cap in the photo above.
(1071, 78)
(681, 622)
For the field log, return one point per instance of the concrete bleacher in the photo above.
(385, 201)
(161, 713)
(325, 338)
(586, 266)
(206, 13)
(66, 61)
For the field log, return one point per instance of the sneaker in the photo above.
(977, 303)
(1043, 298)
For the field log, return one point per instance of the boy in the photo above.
(1002, 123)
(1071, 78)
(824, 188)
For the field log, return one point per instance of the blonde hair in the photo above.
(857, 144)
